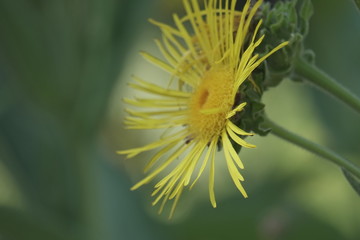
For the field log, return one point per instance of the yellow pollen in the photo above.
(210, 103)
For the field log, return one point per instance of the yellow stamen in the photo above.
(210, 103)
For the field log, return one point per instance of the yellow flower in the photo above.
(209, 54)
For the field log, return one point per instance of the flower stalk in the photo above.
(312, 147)
(320, 79)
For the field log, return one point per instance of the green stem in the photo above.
(312, 147)
(326, 83)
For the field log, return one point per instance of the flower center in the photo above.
(210, 103)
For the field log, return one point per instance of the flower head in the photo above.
(209, 54)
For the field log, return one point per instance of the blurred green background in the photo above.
(63, 71)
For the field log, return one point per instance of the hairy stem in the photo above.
(312, 147)
(326, 83)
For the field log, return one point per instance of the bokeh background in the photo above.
(63, 72)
